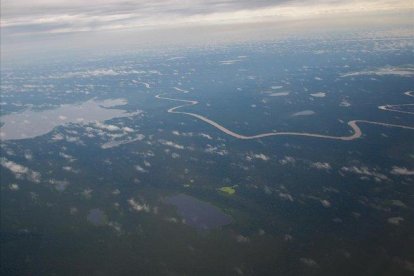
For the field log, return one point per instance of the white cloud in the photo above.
(402, 71)
(63, 16)
(286, 196)
(309, 262)
(21, 172)
(28, 155)
(171, 219)
(365, 173)
(116, 143)
(68, 157)
(116, 226)
(140, 169)
(345, 103)
(204, 135)
(184, 134)
(303, 113)
(138, 207)
(70, 169)
(107, 127)
(278, 94)
(287, 160)
(57, 137)
(242, 239)
(398, 203)
(14, 187)
(318, 95)
(59, 185)
(401, 171)
(395, 220)
(171, 144)
(259, 156)
(321, 166)
(219, 150)
(127, 129)
(87, 193)
(325, 203)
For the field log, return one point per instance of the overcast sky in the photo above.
(32, 26)
(67, 16)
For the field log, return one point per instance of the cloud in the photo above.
(70, 169)
(68, 157)
(184, 134)
(309, 262)
(318, 95)
(171, 144)
(138, 207)
(402, 71)
(204, 135)
(140, 169)
(87, 193)
(21, 172)
(321, 166)
(113, 144)
(242, 239)
(100, 72)
(259, 156)
(64, 16)
(398, 203)
(345, 103)
(303, 113)
(279, 94)
(219, 149)
(107, 127)
(395, 220)
(14, 187)
(401, 171)
(59, 185)
(325, 203)
(365, 173)
(286, 196)
(287, 160)
(116, 226)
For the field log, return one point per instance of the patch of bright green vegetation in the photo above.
(228, 190)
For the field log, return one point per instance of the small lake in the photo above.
(97, 217)
(198, 214)
(30, 123)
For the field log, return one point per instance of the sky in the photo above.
(66, 16)
(48, 22)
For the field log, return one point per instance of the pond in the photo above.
(198, 214)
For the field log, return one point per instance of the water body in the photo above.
(97, 217)
(357, 133)
(197, 213)
(31, 124)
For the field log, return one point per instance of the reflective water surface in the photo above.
(197, 213)
(30, 124)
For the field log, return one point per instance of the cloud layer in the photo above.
(63, 16)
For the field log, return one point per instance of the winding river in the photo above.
(354, 124)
